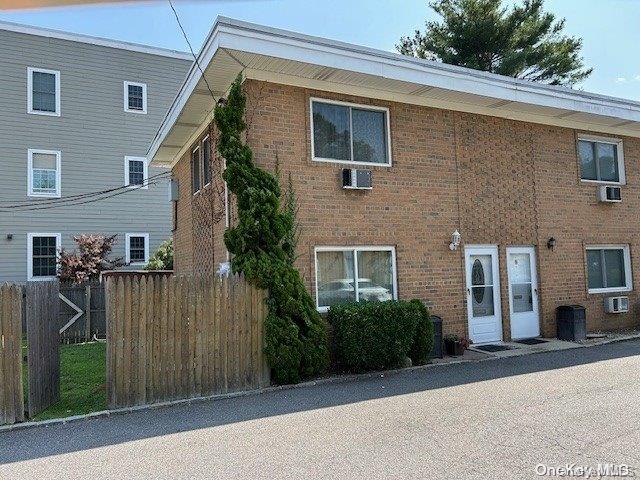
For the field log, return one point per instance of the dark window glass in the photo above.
(606, 268)
(137, 249)
(195, 170)
(136, 172)
(598, 161)
(44, 256)
(369, 136)
(206, 160)
(136, 100)
(44, 92)
(331, 131)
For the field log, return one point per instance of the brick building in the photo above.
(516, 168)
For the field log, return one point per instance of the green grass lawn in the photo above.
(82, 381)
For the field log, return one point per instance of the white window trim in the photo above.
(30, 72)
(144, 97)
(619, 152)
(356, 105)
(128, 247)
(365, 248)
(30, 237)
(145, 172)
(30, 192)
(627, 269)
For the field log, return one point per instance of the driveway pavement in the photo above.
(492, 419)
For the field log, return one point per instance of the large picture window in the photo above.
(601, 161)
(343, 132)
(609, 268)
(336, 275)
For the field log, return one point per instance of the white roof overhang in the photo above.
(280, 56)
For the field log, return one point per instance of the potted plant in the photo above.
(455, 345)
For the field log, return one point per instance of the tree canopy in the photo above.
(523, 41)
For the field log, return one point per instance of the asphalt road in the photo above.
(493, 419)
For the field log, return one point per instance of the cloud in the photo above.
(621, 80)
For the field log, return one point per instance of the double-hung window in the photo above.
(609, 268)
(206, 160)
(43, 173)
(43, 91)
(348, 133)
(135, 172)
(352, 274)
(135, 97)
(601, 160)
(137, 248)
(42, 255)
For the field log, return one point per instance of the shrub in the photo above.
(89, 260)
(379, 335)
(162, 259)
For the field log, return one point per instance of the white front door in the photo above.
(523, 292)
(483, 294)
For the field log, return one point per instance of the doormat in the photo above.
(530, 341)
(492, 348)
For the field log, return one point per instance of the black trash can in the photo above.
(571, 322)
(437, 351)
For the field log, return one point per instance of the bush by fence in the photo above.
(379, 335)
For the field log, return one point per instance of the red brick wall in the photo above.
(498, 181)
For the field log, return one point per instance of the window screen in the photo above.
(44, 92)
(136, 97)
(44, 256)
(136, 172)
(137, 249)
(44, 173)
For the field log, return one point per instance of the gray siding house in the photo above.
(77, 114)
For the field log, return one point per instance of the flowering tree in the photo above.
(89, 260)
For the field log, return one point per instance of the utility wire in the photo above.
(78, 196)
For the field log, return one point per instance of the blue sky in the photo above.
(609, 28)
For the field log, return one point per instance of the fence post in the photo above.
(87, 311)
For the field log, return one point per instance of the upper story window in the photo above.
(344, 132)
(42, 255)
(601, 160)
(135, 172)
(43, 91)
(337, 269)
(137, 248)
(195, 170)
(43, 173)
(135, 97)
(609, 268)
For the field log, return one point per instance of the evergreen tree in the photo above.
(523, 42)
(296, 335)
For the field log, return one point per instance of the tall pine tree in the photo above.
(523, 42)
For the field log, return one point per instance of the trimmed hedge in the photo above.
(379, 335)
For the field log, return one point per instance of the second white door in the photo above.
(523, 292)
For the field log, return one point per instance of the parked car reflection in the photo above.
(342, 290)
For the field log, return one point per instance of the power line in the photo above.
(82, 199)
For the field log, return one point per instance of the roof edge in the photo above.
(98, 41)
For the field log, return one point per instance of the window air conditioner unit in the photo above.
(353, 178)
(609, 194)
(616, 304)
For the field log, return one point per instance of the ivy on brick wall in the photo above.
(296, 335)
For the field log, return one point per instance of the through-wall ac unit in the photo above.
(354, 178)
(616, 304)
(609, 194)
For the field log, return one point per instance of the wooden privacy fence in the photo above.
(43, 340)
(178, 337)
(82, 312)
(11, 393)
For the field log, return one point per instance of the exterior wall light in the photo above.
(551, 243)
(455, 240)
